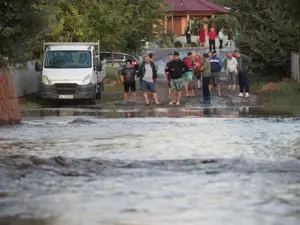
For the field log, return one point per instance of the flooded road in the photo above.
(153, 171)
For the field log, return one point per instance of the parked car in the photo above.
(120, 59)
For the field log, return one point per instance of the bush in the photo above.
(194, 44)
(177, 44)
(113, 75)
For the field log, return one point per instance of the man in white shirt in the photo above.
(230, 65)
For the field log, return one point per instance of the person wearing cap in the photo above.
(230, 66)
(244, 63)
(170, 57)
(202, 36)
(216, 67)
(176, 68)
(205, 73)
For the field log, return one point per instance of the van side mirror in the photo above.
(98, 66)
(38, 66)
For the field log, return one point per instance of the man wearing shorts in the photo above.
(147, 73)
(205, 70)
(150, 94)
(176, 68)
(128, 78)
(216, 67)
(170, 56)
(197, 70)
(188, 73)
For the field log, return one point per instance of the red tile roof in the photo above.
(195, 6)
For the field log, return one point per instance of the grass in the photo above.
(287, 99)
(113, 77)
(29, 103)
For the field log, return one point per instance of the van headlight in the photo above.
(86, 80)
(45, 80)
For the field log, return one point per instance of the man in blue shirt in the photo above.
(216, 67)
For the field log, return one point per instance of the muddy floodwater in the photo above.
(195, 170)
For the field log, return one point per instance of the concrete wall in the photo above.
(26, 80)
(295, 66)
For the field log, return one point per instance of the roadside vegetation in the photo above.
(269, 32)
(120, 25)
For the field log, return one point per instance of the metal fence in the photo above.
(295, 66)
(26, 80)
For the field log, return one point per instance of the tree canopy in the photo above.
(269, 31)
(119, 24)
(22, 25)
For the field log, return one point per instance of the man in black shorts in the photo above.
(128, 78)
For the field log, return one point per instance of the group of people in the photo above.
(212, 36)
(187, 74)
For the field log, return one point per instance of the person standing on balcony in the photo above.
(221, 38)
(212, 39)
(202, 37)
(188, 35)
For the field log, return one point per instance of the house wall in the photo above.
(180, 23)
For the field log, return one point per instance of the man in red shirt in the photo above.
(212, 39)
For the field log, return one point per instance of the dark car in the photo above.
(119, 59)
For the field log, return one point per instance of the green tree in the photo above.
(70, 23)
(269, 31)
(23, 24)
(118, 24)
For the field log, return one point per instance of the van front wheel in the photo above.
(99, 93)
(92, 101)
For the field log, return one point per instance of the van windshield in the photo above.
(68, 59)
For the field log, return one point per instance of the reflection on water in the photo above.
(201, 169)
(159, 112)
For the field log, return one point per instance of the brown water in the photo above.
(160, 171)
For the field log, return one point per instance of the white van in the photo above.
(72, 71)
